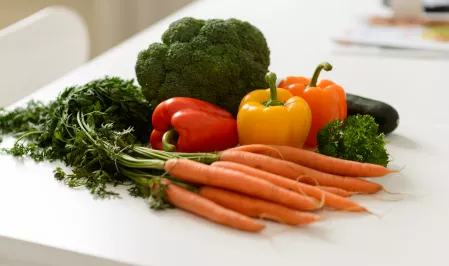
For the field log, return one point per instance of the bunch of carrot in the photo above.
(278, 183)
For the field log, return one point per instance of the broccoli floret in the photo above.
(152, 58)
(356, 138)
(214, 60)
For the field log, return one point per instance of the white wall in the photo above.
(109, 21)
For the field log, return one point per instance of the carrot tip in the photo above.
(319, 219)
(359, 209)
(351, 193)
(375, 214)
(356, 208)
(397, 170)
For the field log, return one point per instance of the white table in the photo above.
(412, 231)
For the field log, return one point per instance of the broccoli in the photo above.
(356, 138)
(214, 60)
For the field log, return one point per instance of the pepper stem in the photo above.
(326, 66)
(270, 77)
(167, 139)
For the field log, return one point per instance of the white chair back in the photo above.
(39, 49)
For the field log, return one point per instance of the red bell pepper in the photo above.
(189, 125)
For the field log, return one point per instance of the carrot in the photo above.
(296, 171)
(337, 191)
(318, 161)
(257, 208)
(194, 203)
(199, 173)
(330, 200)
(330, 164)
(260, 149)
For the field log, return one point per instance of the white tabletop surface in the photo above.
(413, 231)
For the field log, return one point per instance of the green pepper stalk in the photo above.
(326, 66)
(167, 138)
(270, 77)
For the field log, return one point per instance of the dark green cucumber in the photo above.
(385, 115)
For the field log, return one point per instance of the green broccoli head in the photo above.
(356, 138)
(214, 60)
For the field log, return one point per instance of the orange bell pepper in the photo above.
(326, 99)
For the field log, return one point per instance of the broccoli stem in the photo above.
(270, 77)
(326, 66)
(167, 138)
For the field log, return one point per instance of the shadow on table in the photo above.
(402, 141)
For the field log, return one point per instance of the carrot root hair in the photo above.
(380, 216)
(396, 193)
(268, 147)
(323, 195)
(323, 200)
(300, 189)
(392, 193)
(384, 199)
(298, 179)
(277, 151)
(257, 148)
(269, 217)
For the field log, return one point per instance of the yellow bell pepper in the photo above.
(273, 116)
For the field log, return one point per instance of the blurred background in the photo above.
(108, 21)
(41, 42)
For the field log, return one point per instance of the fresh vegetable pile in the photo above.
(210, 132)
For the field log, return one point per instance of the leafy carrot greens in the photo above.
(99, 130)
(115, 111)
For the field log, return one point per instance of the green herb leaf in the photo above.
(356, 138)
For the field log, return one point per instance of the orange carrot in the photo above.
(195, 172)
(318, 161)
(260, 149)
(330, 200)
(296, 171)
(189, 201)
(257, 208)
(330, 164)
(337, 191)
